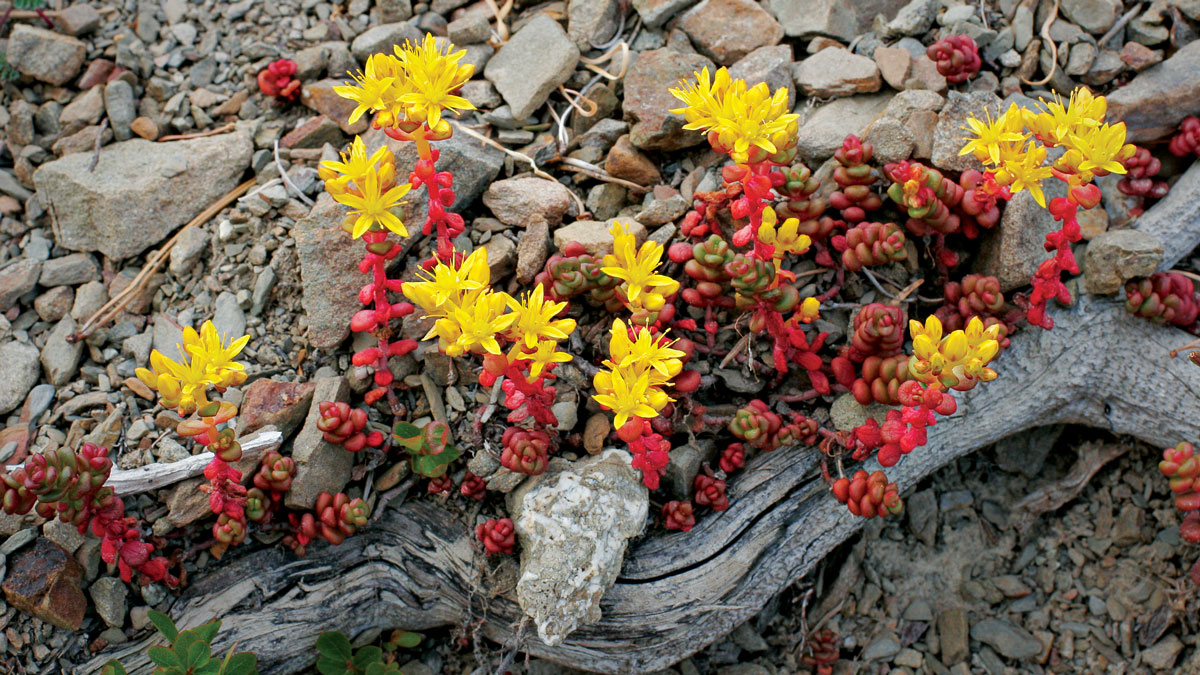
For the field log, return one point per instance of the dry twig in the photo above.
(1046, 39)
(155, 261)
(287, 179)
(200, 134)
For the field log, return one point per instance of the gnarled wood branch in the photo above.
(418, 568)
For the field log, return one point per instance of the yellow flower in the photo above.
(637, 371)
(810, 310)
(956, 361)
(448, 288)
(1024, 170)
(542, 356)
(741, 118)
(643, 288)
(1102, 148)
(355, 166)
(535, 318)
(644, 354)
(474, 327)
(989, 135)
(208, 349)
(1057, 122)
(626, 398)
(206, 362)
(702, 109)
(373, 205)
(432, 75)
(375, 90)
(786, 239)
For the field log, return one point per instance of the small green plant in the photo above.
(190, 652)
(430, 447)
(7, 72)
(338, 656)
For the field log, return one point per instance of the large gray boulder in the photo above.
(139, 191)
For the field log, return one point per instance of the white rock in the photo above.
(573, 523)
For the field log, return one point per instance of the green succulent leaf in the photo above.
(198, 654)
(408, 435)
(434, 466)
(113, 667)
(327, 665)
(367, 655)
(164, 657)
(408, 639)
(164, 624)
(242, 663)
(208, 631)
(335, 645)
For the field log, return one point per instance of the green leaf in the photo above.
(434, 466)
(198, 654)
(213, 667)
(113, 667)
(334, 645)
(164, 624)
(164, 657)
(242, 663)
(407, 639)
(183, 643)
(382, 669)
(208, 631)
(367, 655)
(408, 435)
(327, 665)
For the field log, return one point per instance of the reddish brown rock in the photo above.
(271, 402)
(45, 582)
(532, 250)
(727, 30)
(314, 133)
(231, 105)
(97, 73)
(320, 97)
(624, 161)
(895, 65)
(926, 76)
(647, 99)
(144, 127)
(1140, 57)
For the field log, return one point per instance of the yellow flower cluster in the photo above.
(206, 362)
(413, 86)
(957, 360)
(785, 238)
(637, 371)
(748, 123)
(368, 186)
(471, 317)
(1014, 144)
(643, 288)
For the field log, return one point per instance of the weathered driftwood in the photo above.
(160, 475)
(418, 568)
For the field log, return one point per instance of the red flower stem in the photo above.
(383, 333)
(437, 212)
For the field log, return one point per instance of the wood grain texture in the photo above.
(677, 592)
